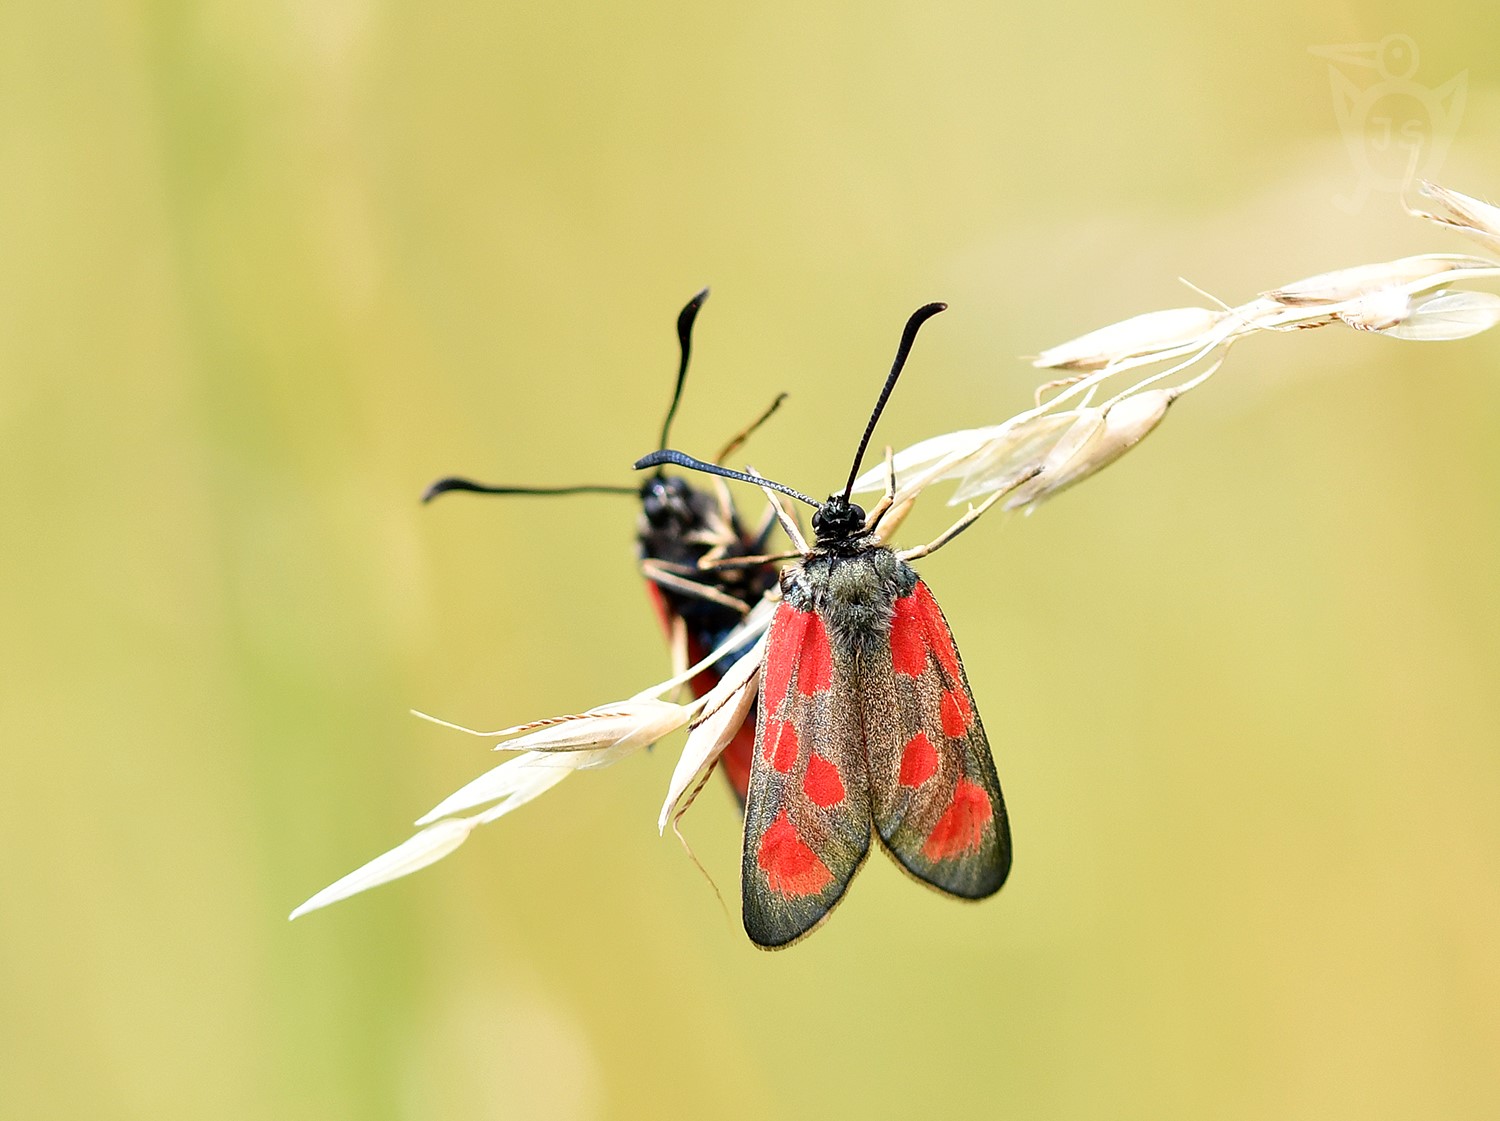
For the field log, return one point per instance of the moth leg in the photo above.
(973, 515)
(746, 432)
(788, 522)
(763, 531)
(721, 489)
(714, 555)
(687, 803)
(679, 644)
(894, 517)
(708, 538)
(664, 577)
(888, 499)
(745, 562)
(886, 518)
(656, 564)
(727, 512)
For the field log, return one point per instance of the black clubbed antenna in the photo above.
(685, 320)
(681, 459)
(457, 482)
(685, 342)
(908, 337)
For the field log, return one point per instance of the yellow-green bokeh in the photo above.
(266, 270)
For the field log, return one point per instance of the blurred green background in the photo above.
(266, 270)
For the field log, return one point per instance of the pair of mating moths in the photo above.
(865, 722)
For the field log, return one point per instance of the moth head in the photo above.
(667, 501)
(838, 519)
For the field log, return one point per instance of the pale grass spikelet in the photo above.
(983, 459)
(616, 729)
(948, 456)
(1065, 439)
(725, 709)
(1151, 333)
(1023, 445)
(1379, 310)
(1468, 216)
(442, 835)
(1097, 437)
(549, 750)
(411, 855)
(1379, 297)
(1341, 285)
(510, 785)
(1444, 316)
(515, 782)
(1383, 298)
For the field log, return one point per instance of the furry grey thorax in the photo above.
(853, 592)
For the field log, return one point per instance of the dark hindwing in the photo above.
(807, 814)
(935, 795)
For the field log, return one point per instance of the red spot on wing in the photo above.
(781, 746)
(791, 867)
(787, 631)
(815, 664)
(957, 712)
(939, 637)
(918, 627)
(799, 643)
(822, 783)
(908, 643)
(919, 761)
(961, 827)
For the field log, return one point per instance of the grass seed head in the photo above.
(1469, 216)
(1444, 316)
(1353, 283)
(1142, 334)
(1098, 437)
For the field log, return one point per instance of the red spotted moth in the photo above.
(867, 721)
(681, 534)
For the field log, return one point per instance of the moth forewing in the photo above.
(807, 811)
(935, 796)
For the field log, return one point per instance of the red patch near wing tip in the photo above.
(822, 783)
(961, 827)
(791, 867)
(919, 761)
